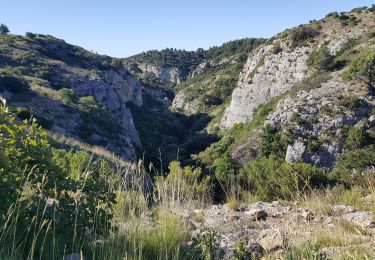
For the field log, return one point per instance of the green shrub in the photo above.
(349, 166)
(357, 138)
(362, 68)
(88, 102)
(46, 190)
(224, 169)
(321, 59)
(13, 84)
(4, 29)
(271, 178)
(205, 246)
(351, 102)
(303, 33)
(30, 35)
(66, 95)
(183, 185)
(276, 49)
(273, 143)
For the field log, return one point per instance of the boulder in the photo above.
(295, 152)
(272, 239)
(364, 219)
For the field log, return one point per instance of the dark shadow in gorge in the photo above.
(168, 135)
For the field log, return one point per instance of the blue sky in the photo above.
(122, 28)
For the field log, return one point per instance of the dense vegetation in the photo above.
(187, 61)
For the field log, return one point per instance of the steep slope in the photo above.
(75, 93)
(297, 100)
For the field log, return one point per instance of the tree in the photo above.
(4, 29)
(363, 69)
(66, 95)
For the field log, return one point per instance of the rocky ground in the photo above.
(272, 228)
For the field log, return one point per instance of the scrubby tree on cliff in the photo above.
(4, 29)
(363, 68)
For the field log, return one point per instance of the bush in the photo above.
(351, 102)
(54, 193)
(362, 68)
(303, 33)
(13, 84)
(357, 138)
(88, 102)
(224, 169)
(321, 59)
(66, 95)
(272, 179)
(349, 166)
(183, 185)
(273, 143)
(4, 29)
(30, 35)
(276, 49)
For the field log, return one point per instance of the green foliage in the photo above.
(351, 163)
(42, 121)
(4, 29)
(186, 61)
(204, 246)
(271, 178)
(96, 119)
(300, 35)
(89, 103)
(182, 185)
(308, 250)
(30, 35)
(357, 137)
(362, 68)
(273, 143)
(66, 95)
(13, 84)
(276, 49)
(351, 102)
(224, 169)
(348, 19)
(47, 190)
(321, 59)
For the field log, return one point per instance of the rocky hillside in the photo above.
(173, 103)
(300, 97)
(71, 92)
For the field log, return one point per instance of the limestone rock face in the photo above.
(321, 120)
(268, 73)
(174, 75)
(180, 103)
(114, 89)
(294, 152)
(264, 76)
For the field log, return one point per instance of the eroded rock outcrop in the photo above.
(264, 76)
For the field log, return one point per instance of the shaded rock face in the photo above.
(180, 103)
(174, 75)
(114, 89)
(264, 76)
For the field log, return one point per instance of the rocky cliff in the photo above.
(274, 68)
(50, 66)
